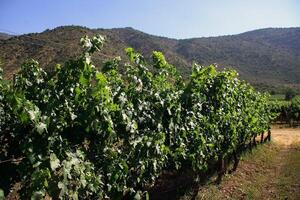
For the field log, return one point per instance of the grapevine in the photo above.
(88, 133)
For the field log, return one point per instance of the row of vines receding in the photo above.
(78, 132)
(288, 111)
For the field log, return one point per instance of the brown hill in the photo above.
(267, 58)
(4, 36)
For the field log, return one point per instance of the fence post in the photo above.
(262, 138)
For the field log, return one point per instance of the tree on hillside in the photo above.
(289, 94)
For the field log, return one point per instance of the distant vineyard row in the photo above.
(82, 133)
(288, 111)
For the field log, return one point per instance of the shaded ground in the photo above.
(271, 171)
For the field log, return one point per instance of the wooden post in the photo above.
(254, 141)
(262, 138)
(250, 145)
(221, 169)
(236, 159)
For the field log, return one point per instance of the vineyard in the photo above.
(78, 132)
(288, 111)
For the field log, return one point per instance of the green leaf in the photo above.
(33, 114)
(159, 59)
(2, 197)
(137, 196)
(210, 145)
(101, 79)
(83, 81)
(147, 196)
(41, 127)
(54, 162)
(38, 195)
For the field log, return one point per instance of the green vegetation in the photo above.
(288, 111)
(278, 97)
(289, 94)
(287, 183)
(77, 132)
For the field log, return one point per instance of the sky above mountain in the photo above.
(170, 18)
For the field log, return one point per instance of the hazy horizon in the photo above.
(68, 25)
(173, 19)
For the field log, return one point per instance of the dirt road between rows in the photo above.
(271, 171)
(285, 136)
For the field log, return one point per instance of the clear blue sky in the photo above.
(171, 18)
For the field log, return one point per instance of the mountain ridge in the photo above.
(267, 58)
(4, 36)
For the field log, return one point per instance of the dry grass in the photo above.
(271, 171)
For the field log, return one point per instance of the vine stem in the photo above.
(12, 160)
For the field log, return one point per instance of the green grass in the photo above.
(289, 182)
(246, 182)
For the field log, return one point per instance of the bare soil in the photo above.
(285, 136)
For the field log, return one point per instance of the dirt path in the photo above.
(285, 136)
(272, 171)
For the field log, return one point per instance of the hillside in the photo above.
(4, 36)
(267, 58)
